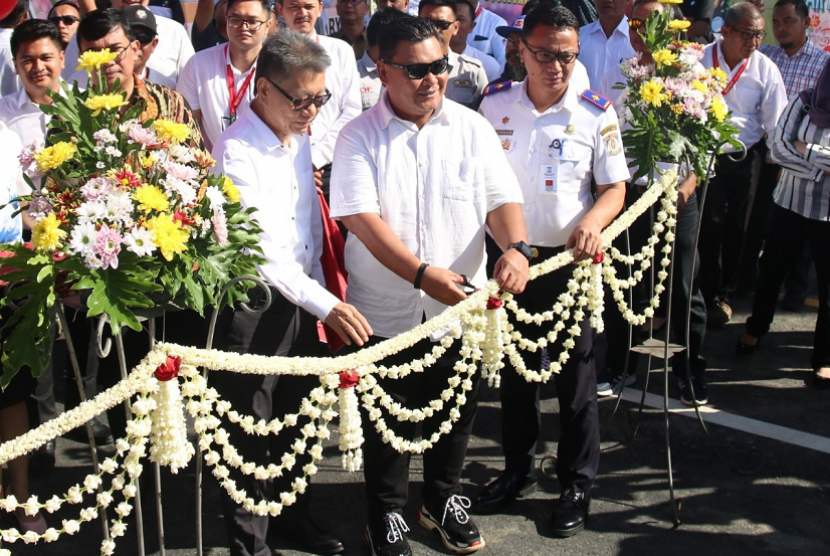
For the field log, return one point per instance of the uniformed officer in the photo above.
(557, 138)
(467, 77)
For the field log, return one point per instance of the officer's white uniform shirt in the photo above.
(9, 83)
(579, 78)
(466, 81)
(278, 180)
(757, 99)
(204, 85)
(343, 83)
(484, 36)
(433, 187)
(491, 67)
(554, 155)
(599, 52)
(370, 85)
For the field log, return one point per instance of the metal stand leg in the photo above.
(151, 329)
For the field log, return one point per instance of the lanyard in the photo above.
(478, 10)
(235, 96)
(735, 77)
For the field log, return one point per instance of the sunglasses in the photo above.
(144, 37)
(65, 19)
(301, 104)
(442, 24)
(419, 71)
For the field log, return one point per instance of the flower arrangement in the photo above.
(675, 108)
(126, 207)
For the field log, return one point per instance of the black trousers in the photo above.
(578, 452)
(759, 215)
(284, 330)
(786, 236)
(385, 470)
(723, 228)
(684, 259)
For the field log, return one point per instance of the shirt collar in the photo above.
(621, 28)
(569, 100)
(368, 63)
(387, 114)
(264, 134)
(452, 58)
(23, 97)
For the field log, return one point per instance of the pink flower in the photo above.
(107, 246)
(220, 228)
(143, 136)
(180, 171)
(95, 188)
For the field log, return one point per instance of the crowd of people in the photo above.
(452, 147)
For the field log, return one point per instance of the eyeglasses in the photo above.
(301, 104)
(419, 71)
(547, 57)
(120, 50)
(65, 19)
(144, 37)
(235, 22)
(751, 35)
(441, 24)
(512, 42)
(635, 23)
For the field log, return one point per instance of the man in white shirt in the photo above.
(558, 141)
(465, 15)
(65, 14)
(467, 77)
(416, 179)
(485, 38)
(756, 96)
(217, 81)
(605, 42)
(267, 155)
(9, 83)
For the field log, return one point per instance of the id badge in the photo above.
(227, 121)
(549, 178)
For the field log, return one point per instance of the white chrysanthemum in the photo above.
(91, 211)
(82, 238)
(119, 206)
(140, 241)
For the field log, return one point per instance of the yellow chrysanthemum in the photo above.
(171, 132)
(47, 235)
(718, 109)
(664, 57)
(671, 1)
(718, 74)
(652, 93)
(698, 86)
(168, 235)
(230, 190)
(148, 160)
(104, 102)
(679, 25)
(91, 60)
(677, 109)
(52, 157)
(150, 198)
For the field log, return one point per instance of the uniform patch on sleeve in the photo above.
(613, 144)
(497, 87)
(596, 99)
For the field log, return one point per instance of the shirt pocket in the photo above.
(574, 164)
(460, 178)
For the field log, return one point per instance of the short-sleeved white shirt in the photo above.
(11, 227)
(484, 36)
(554, 155)
(174, 49)
(25, 119)
(204, 85)
(433, 187)
(599, 52)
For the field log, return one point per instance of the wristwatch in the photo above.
(522, 248)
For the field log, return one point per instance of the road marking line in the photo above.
(715, 416)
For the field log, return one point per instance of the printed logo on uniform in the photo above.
(504, 132)
(613, 145)
(505, 120)
(609, 129)
(506, 144)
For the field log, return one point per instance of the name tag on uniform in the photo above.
(548, 178)
(464, 83)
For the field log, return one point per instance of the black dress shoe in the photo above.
(311, 536)
(505, 489)
(742, 349)
(570, 513)
(42, 460)
(100, 432)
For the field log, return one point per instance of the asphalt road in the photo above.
(740, 493)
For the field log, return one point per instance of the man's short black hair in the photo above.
(469, 3)
(20, 10)
(33, 30)
(407, 28)
(100, 23)
(379, 20)
(674, 9)
(60, 3)
(801, 7)
(438, 4)
(550, 15)
(266, 4)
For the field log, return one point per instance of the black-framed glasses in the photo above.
(120, 50)
(442, 24)
(547, 57)
(635, 23)
(419, 71)
(301, 104)
(235, 22)
(751, 35)
(144, 37)
(65, 19)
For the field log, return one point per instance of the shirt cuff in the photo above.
(322, 304)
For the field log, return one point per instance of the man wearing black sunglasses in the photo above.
(558, 140)
(467, 77)
(415, 180)
(65, 14)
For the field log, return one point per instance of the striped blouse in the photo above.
(804, 187)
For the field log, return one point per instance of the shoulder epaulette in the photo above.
(596, 99)
(497, 87)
